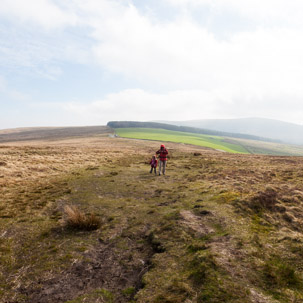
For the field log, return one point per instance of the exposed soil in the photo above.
(104, 268)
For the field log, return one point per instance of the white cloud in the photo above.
(181, 69)
(184, 55)
(39, 52)
(43, 12)
(137, 104)
(32, 40)
(265, 11)
(180, 54)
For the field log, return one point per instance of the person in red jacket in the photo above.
(163, 158)
(153, 163)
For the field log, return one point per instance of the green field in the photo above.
(214, 142)
(232, 145)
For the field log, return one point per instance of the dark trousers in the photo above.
(151, 170)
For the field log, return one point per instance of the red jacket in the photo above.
(163, 154)
(153, 162)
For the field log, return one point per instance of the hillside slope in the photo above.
(217, 228)
(171, 127)
(214, 142)
(225, 144)
(269, 128)
(51, 133)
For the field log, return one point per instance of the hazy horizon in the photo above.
(88, 62)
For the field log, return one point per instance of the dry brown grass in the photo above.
(247, 208)
(76, 219)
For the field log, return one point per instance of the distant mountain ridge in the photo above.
(260, 127)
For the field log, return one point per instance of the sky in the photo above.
(87, 62)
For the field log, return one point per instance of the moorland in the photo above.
(218, 227)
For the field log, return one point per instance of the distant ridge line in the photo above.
(187, 129)
(51, 133)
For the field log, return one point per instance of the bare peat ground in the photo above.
(217, 228)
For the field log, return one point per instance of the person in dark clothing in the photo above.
(153, 163)
(162, 152)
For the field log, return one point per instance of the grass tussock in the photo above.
(264, 200)
(76, 219)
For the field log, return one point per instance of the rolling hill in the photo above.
(195, 130)
(269, 128)
(51, 133)
(207, 138)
